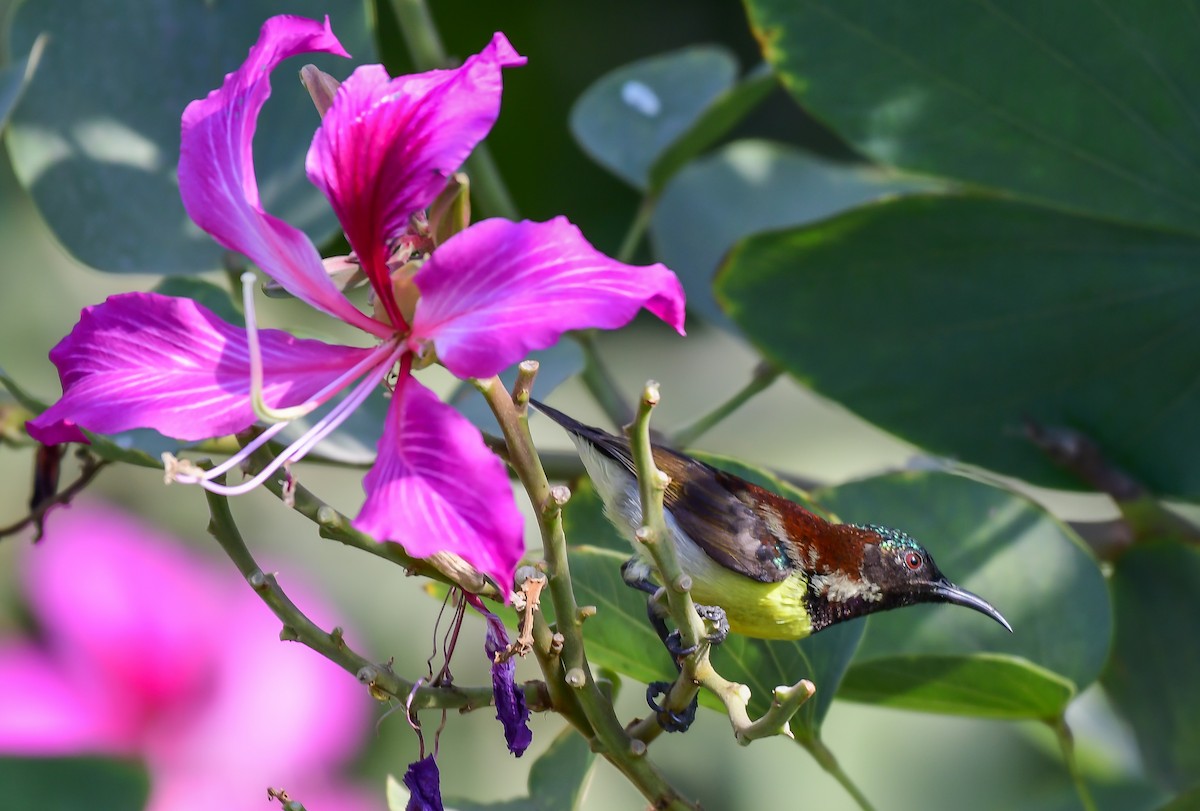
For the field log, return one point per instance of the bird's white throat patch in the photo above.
(837, 587)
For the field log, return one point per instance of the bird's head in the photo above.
(893, 571)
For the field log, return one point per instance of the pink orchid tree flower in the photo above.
(487, 296)
(146, 650)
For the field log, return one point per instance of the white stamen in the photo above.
(261, 409)
(294, 452)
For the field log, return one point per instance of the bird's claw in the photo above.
(674, 644)
(715, 615)
(670, 720)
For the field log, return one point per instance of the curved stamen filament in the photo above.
(325, 426)
(257, 399)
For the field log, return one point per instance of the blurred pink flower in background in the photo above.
(150, 651)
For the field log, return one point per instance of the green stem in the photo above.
(820, 752)
(420, 34)
(489, 193)
(654, 534)
(764, 375)
(600, 381)
(1066, 742)
(298, 627)
(443, 566)
(610, 740)
(637, 229)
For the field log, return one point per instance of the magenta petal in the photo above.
(216, 171)
(141, 360)
(386, 146)
(436, 487)
(46, 713)
(125, 610)
(500, 289)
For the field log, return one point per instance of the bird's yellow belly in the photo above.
(763, 610)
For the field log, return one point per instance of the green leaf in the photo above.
(632, 116)
(397, 795)
(1153, 675)
(1086, 107)
(14, 79)
(202, 292)
(747, 187)
(558, 777)
(69, 784)
(951, 320)
(97, 149)
(1188, 801)
(763, 665)
(720, 117)
(986, 685)
(620, 636)
(944, 658)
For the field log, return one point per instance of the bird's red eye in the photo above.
(913, 560)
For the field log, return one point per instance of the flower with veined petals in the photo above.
(488, 295)
(149, 651)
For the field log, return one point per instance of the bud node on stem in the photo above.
(575, 678)
(650, 395)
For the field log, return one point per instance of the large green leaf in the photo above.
(1188, 801)
(69, 784)
(986, 685)
(96, 137)
(951, 320)
(1084, 105)
(1013, 554)
(619, 637)
(15, 77)
(1154, 674)
(747, 187)
(665, 108)
(762, 666)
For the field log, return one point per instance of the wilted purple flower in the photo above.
(424, 785)
(487, 296)
(511, 710)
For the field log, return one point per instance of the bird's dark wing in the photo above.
(722, 514)
(735, 522)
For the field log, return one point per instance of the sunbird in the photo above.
(775, 569)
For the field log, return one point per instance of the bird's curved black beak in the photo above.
(950, 593)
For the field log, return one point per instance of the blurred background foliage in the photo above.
(966, 234)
